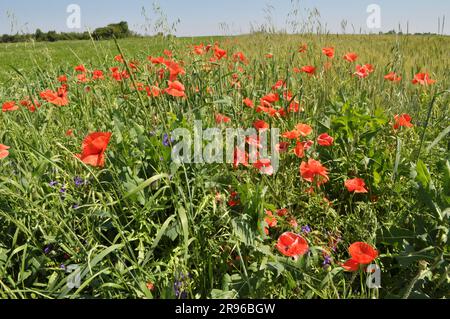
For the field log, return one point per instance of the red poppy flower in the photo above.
(282, 147)
(158, 60)
(292, 135)
(80, 68)
(393, 77)
(303, 129)
(303, 48)
(270, 219)
(248, 102)
(307, 144)
(4, 151)
(363, 71)
(30, 106)
(362, 253)
(279, 85)
(314, 171)
(350, 265)
(97, 75)
(82, 78)
(219, 53)
(62, 79)
(325, 140)
(308, 69)
(234, 199)
(240, 57)
(292, 245)
(199, 49)
(270, 98)
(220, 118)
(299, 150)
(119, 58)
(58, 98)
(423, 79)
(329, 52)
(168, 53)
(94, 147)
(264, 166)
(261, 125)
(175, 89)
(9, 106)
(351, 57)
(356, 185)
(240, 157)
(269, 55)
(154, 90)
(282, 212)
(402, 120)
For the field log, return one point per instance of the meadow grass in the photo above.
(142, 227)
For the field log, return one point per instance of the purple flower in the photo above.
(48, 249)
(306, 229)
(53, 183)
(78, 181)
(75, 206)
(326, 261)
(166, 140)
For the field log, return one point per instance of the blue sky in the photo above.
(203, 17)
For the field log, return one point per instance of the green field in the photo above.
(141, 226)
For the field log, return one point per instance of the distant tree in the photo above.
(39, 35)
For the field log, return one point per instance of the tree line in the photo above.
(118, 30)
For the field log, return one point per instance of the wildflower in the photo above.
(314, 171)
(248, 102)
(4, 151)
(53, 183)
(306, 229)
(309, 69)
(393, 77)
(62, 79)
(326, 261)
(240, 157)
(175, 89)
(303, 48)
(58, 98)
(282, 147)
(363, 71)
(423, 79)
(234, 199)
(9, 106)
(351, 57)
(356, 185)
(361, 254)
(78, 181)
(94, 148)
(329, 52)
(80, 68)
(325, 140)
(403, 120)
(97, 75)
(292, 135)
(303, 129)
(261, 125)
(220, 118)
(292, 245)
(219, 53)
(299, 150)
(264, 166)
(167, 141)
